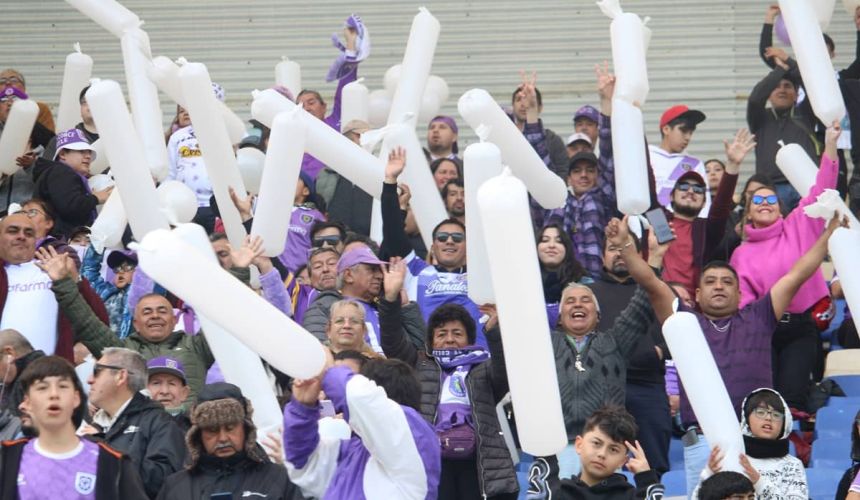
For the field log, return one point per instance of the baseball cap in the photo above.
(360, 255)
(579, 136)
(163, 364)
(73, 139)
(587, 111)
(582, 156)
(357, 126)
(117, 257)
(681, 111)
(12, 93)
(691, 175)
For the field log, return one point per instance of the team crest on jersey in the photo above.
(307, 218)
(686, 167)
(85, 483)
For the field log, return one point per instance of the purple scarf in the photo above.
(454, 403)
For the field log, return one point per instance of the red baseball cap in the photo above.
(695, 117)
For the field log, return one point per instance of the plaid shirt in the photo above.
(585, 218)
(534, 133)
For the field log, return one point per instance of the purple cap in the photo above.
(163, 364)
(360, 255)
(12, 93)
(587, 111)
(73, 139)
(452, 124)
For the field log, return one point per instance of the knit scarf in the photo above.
(454, 402)
(765, 448)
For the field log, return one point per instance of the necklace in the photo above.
(721, 329)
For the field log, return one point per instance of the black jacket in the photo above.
(116, 477)
(149, 435)
(487, 385)
(238, 475)
(545, 485)
(59, 185)
(794, 125)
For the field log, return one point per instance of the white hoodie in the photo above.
(781, 478)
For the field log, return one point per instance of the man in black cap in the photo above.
(224, 458)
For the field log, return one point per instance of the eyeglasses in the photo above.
(321, 241)
(443, 236)
(771, 199)
(11, 80)
(765, 413)
(124, 268)
(32, 212)
(98, 367)
(686, 186)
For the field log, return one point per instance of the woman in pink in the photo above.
(772, 244)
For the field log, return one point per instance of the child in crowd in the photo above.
(766, 424)
(58, 464)
(114, 293)
(603, 446)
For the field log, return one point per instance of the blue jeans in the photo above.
(568, 462)
(788, 197)
(695, 459)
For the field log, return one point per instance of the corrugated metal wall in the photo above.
(703, 52)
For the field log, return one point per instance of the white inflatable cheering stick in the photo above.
(529, 358)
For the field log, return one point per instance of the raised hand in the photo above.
(779, 56)
(350, 35)
(489, 310)
(307, 391)
(605, 87)
(53, 263)
(736, 151)
(771, 13)
(529, 90)
(251, 249)
(637, 463)
(393, 276)
(243, 206)
(617, 233)
(830, 137)
(396, 164)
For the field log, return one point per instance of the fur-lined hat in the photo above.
(217, 405)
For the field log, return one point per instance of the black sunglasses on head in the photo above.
(443, 236)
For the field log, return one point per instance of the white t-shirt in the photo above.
(31, 307)
(668, 167)
(187, 166)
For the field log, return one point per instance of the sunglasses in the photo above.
(326, 240)
(771, 199)
(443, 236)
(98, 368)
(686, 186)
(764, 413)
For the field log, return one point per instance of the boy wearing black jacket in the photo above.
(602, 448)
(58, 464)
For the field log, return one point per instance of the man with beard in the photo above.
(455, 199)
(442, 138)
(697, 237)
(645, 394)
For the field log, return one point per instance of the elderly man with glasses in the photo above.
(131, 422)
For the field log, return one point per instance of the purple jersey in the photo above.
(298, 242)
(68, 476)
(431, 288)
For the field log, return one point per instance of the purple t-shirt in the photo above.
(69, 476)
(741, 348)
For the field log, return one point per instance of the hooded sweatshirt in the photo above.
(782, 477)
